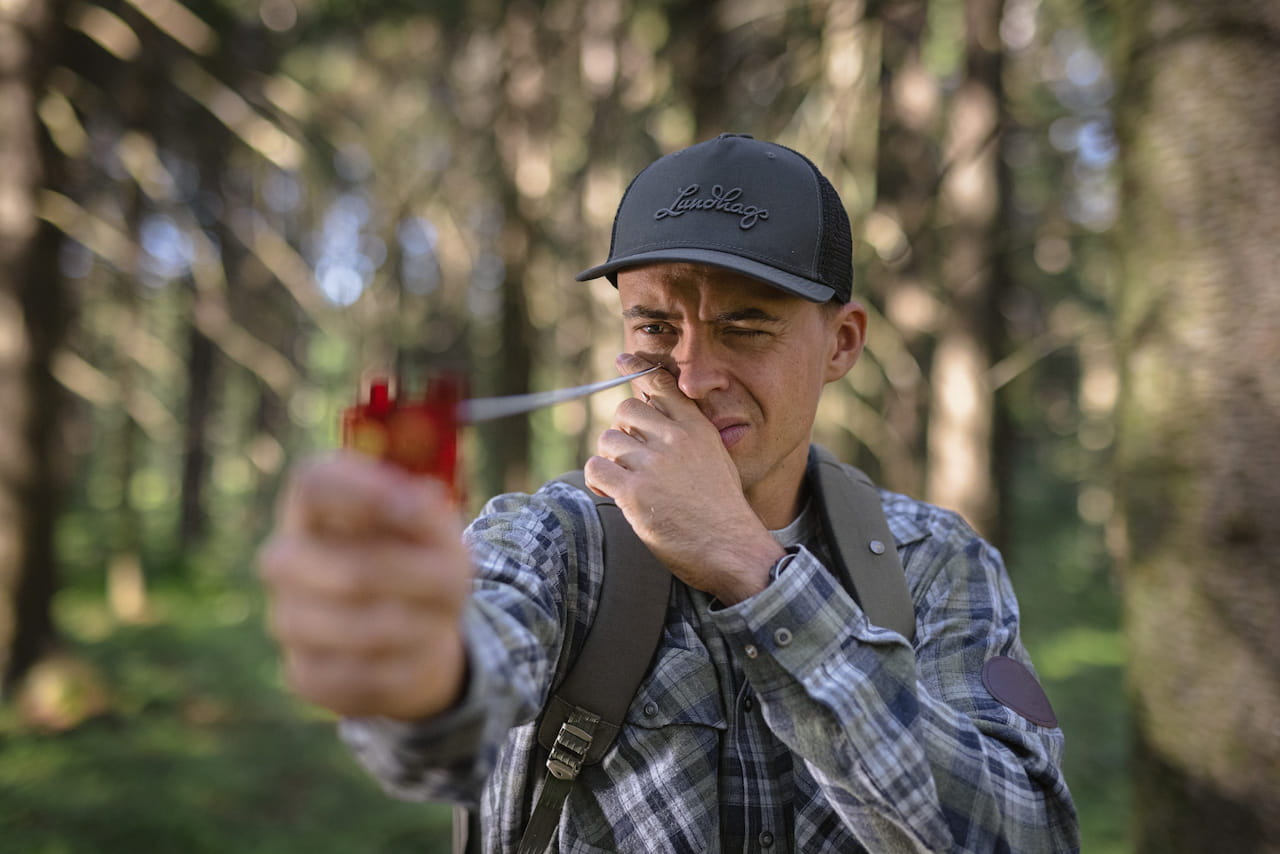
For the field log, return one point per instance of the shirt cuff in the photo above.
(802, 619)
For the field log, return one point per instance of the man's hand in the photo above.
(665, 465)
(368, 577)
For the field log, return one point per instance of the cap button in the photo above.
(735, 136)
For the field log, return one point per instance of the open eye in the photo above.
(653, 329)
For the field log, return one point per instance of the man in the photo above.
(774, 717)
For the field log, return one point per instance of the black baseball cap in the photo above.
(747, 205)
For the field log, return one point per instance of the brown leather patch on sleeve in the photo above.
(1016, 688)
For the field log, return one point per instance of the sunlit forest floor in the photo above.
(200, 750)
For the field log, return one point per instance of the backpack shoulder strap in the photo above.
(865, 552)
(584, 715)
(624, 633)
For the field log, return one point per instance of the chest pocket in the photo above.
(681, 688)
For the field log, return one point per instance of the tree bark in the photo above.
(961, 472)
(903, 227)
(32, 318)
(193, 521)
(1198, 314)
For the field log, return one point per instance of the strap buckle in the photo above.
(572, 744)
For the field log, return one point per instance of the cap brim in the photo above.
(801, 287)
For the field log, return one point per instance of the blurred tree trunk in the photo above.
(508, 440)
(973, 195)
(523, 119)
(126, 579)
(192, 520)
(211, 153)
(32, 319)
(1198, 455)
(702, 64)
(903, 228)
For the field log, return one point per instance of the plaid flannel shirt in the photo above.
(784, 723)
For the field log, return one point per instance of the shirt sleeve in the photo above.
(531, 605)
(909, 747)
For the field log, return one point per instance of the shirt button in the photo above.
(766, 839)
(751, 651)
(782, 637)
(748, 704)
(650, 709)
(877, 547)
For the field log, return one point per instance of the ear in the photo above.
(848, 326)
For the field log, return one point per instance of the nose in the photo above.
(700, 369)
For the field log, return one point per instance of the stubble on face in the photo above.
(750, 356)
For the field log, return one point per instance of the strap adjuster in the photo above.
(572, 744)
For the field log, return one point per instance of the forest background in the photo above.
(219, 217)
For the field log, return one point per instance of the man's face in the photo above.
(754, 358)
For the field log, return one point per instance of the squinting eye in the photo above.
(652, 329)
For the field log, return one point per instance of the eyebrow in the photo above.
(648, 313)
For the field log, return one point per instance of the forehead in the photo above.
(702, 284)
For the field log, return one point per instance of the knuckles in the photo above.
(312, 477)
(612, 441)
(632, 408)
(338, 479)
(291, 564)
(353, 685)
(278, 560)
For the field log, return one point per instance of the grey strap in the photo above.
(864, 550)
(623, 636)
(585, 713)
(568, 753)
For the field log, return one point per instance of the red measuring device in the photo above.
(419, 432)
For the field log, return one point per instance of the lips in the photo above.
(731, 430)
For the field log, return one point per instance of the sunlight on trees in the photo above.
(254, 206)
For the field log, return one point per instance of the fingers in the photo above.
(659, 389)
(319, 625)
(604, 477)
(362, 571)
(362, 685)
(347, 495)
(618, 445)
(368, 577)
(347, 685)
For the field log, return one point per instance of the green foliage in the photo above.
(1071, 625)
(202, 751)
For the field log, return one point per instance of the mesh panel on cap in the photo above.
(835, 254)
(835, 249)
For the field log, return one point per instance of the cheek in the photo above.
(788, 398)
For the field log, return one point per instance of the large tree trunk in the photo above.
(962, 411)
(1199, 315)
(31, 321)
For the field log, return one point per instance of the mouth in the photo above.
(731, 430)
